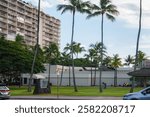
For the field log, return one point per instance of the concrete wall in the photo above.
(83, 78)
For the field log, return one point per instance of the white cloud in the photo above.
(129, 12)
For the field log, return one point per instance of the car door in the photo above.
(146, 94)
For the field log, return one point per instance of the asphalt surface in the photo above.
(63, 98)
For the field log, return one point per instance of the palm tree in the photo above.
(73, 7)
(105, 7)
(64, 61)
(90, 56)
(97, 47)
(141, 56)
(116, 62)
(107, 61)
(78, 49)
(137, 46)
(36, 50)
(52, 54)
(129, 60)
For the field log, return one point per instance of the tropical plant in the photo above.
(137, 45)
(141, 56)
(74, 6)
(36, 46)
(116, 62)
(129, 60)
(107, 61)
(51, 55)
(105, 7)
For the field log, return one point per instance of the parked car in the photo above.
(4, 92)
(141, 95)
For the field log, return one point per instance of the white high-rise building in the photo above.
(19, 17)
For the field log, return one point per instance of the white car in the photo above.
(141, 95)
(4, 92)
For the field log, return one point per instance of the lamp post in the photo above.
(36, 50)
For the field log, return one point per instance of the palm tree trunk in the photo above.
(95, 77)
(61, 75)
(73, 72)
(100, 74)
(69, 76)
(91, 76)
(36, 51)
(49, 70)
(115, 77)
(137, 46)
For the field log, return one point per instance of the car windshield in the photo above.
(3, 88)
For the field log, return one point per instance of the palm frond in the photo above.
(110, 17)
(94, 14)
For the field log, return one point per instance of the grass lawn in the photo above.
(82, 91)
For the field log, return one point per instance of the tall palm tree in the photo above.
(52, 54)
(74, 6)
(137, 45)
(116, 62)
(36, 50)
(129, 60)
(105, 7)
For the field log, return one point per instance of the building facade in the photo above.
(19, 17)
(83, 77)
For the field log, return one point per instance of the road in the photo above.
(63, 98)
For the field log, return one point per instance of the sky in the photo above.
(119, 37)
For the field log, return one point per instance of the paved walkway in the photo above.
(63, 98)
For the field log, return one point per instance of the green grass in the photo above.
(82, 91)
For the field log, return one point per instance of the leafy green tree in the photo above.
(137, 45)
(16, 59)
(19, 39)
(116, 62)
(74, 6)
(105, 7)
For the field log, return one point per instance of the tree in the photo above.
(105, 8)
(51, 55)
(65, 60)
(73, 7)
(129, 60)
(97, 47)
(16, 59)
(116, 62)
(36, 50)
(137, 46)
(19, 39)
(107, 61)
(78, 49)
(90, 57)
(141, 56)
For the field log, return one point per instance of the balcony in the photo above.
(20, 33)
(3, 31)
(3, 3)
(28, 21)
